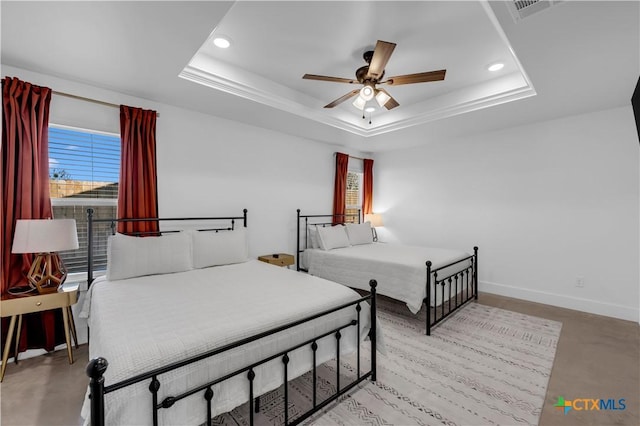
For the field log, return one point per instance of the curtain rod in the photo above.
(352, 156)
(95, 101)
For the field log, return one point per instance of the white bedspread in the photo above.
(400, 270)
(142, 323)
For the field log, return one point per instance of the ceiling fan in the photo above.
(372, 74)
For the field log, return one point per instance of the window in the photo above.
(84, 168)
(353, 196)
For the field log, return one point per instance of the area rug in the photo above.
(482, 366)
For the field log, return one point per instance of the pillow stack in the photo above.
(332, 237)
(129, 257)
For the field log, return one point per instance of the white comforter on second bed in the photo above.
(146, 322)
(400, 270)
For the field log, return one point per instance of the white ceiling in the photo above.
(320, 38)
(580, 56)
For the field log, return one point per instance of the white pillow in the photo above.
(220, 248)
(331, 237)
(129, 257)
(359, 233)
(313, 237)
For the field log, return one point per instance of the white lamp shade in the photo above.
(45, 235)
(382, 98)
(359, 103)
(374, 218)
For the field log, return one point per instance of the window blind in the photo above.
(84, 169)
(353, 195)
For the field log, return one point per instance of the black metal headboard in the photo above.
(317, 220)
(214, 224)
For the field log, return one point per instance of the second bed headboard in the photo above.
(305, 221)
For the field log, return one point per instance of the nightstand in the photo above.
(280, 259)
(16, 306)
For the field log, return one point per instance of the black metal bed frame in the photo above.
(464, 282)
(323, 224)
(97, 367)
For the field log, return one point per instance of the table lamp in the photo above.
(376, 220)
(45, 237)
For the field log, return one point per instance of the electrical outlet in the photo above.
(580, 282)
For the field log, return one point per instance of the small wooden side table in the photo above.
(16, 306)
(280, 259)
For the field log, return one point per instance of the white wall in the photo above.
(208, 166)
(546, 203)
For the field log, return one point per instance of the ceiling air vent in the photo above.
(521, 9)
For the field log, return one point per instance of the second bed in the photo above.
(441, 279)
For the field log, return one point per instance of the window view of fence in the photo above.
(84, 169)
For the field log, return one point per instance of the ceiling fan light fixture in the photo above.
(382, 98)
(496, 66)
(371, 75)
(367, 92)
(223, 42)
(359, 103)
(370, 109)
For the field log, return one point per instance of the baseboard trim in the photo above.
(562, 301)
(32, 353)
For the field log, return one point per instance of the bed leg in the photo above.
(256, 406)
(95, 370)
(475, 272)
(298, 241)
(372, 332)
(427, 300)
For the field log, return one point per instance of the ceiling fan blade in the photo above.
(421, 77)
(381, 56)
(341, 99)
(327, 78)
(391, 103)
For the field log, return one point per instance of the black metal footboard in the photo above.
(97, 367)
(455, 289)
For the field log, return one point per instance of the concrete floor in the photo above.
(597, 358)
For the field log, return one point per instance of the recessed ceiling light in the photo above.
(369, 109)
(222, 42)
(496, 67)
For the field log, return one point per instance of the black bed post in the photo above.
(372, 332)
(244, 214)
(475, 272)
(298, 242)
(427, 301)
(95, 370)
(89, 246)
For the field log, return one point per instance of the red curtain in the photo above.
(340, 188)
(25, 192)
(25, 168)
(138, 188)
(367, 187)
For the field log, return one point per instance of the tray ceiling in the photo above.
(329, 38)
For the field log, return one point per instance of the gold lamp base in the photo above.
(47, 273)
